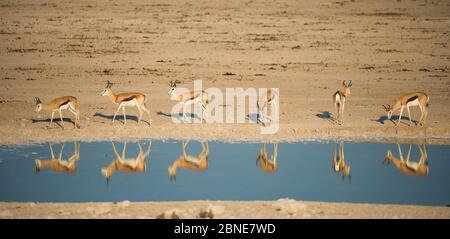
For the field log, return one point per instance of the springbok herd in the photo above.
(137, 99)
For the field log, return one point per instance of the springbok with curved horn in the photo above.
(419, 99)
(127, 99)
(59, 104)
(189, 98)
(339, 99)
(407, 167)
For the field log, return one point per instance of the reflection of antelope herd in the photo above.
(267, 164)
(339, 165)
(127, 165)
(60, 165)
(190, 162)
(408, 167)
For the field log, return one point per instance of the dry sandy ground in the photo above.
(283, 208)
(304, 48)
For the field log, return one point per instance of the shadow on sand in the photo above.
(55, 120)
(394, 119)
(325, 115)
(179, 116)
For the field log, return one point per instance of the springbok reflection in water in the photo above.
(127, 165)
(60, 165)
(267, 164)
(338, 164)
(190, 162)
(407, 167)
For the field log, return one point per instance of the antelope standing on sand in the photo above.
(419, 99)
(59, 104)
(189, 98)
(190, 162)
(267, 164)
(419, 168)
(127, 165)
(127, 99)
(269, 98)
(338, 164)
(60, 165)
(339, 99)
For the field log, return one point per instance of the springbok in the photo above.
(269, 98)
(199, 163)
(338, 164)
(419, 168)
(339, 99)
(127, 165)
(189, 98)
(267, 164)
(60, 165)
(411, 99)
(127, 99)
(59, 104)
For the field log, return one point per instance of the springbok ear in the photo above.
(349, 84)
(38, 101)
(343, 83)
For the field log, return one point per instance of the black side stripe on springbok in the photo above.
(412, 99)
(64, 103)
(129, 98)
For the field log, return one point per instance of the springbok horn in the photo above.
(350, 84)
(343, 83)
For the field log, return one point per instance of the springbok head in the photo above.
(173, 86)
(389, 110)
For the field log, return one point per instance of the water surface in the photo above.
(359, 172)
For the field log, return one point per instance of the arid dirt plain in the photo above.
(305, 48)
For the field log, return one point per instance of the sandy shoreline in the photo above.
(283, 208)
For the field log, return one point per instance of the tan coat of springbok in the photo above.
(127, 99)
(419, 99)
(59, 104)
